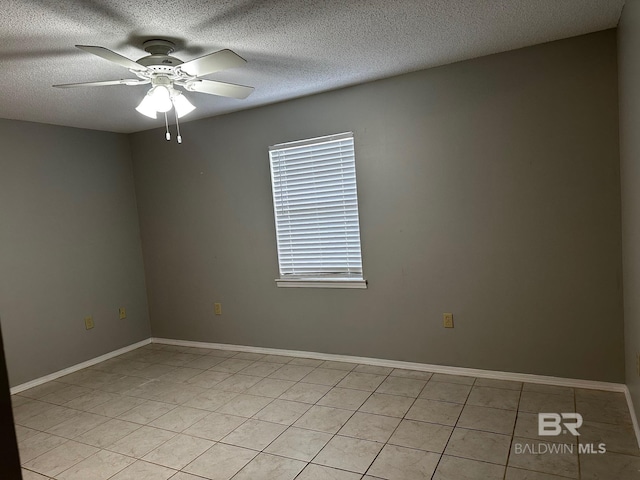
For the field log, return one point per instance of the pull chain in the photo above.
(166, 122)
(179, 137)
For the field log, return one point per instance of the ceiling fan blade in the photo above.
(126, 81)
(214, 62)
(220, 88)
(112, 57)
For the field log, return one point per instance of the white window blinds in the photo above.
(316, 208)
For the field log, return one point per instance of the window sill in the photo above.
(320, 283)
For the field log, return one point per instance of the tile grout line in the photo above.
(252, 417)
(334, 386)
(530, 378)
(135, 458)
(350, 417)
(288, 426)
(449, 370)
(513, 431)
(403, 418)
(454, 427)
(97, 388)
(399, 423)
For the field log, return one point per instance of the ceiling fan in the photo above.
(165, 72)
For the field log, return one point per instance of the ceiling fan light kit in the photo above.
(165, 73)
(147, 106)
(182, 105)
(158, 99)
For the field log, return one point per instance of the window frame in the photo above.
(315, 280)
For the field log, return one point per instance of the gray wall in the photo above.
(488, 188)
(69, 247)
(629, 84)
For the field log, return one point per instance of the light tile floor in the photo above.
(181, 413)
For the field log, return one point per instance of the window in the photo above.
(316, 212)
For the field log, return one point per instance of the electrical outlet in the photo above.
(88, 322)
(122, 313)
(217, 308)
(447, 320)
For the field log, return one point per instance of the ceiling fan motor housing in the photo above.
(159, 60)
(157, 46)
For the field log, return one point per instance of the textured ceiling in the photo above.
(293, 47)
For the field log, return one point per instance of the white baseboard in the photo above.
(425, 367)
(473, 372)
(491, 374)
(79, 366)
